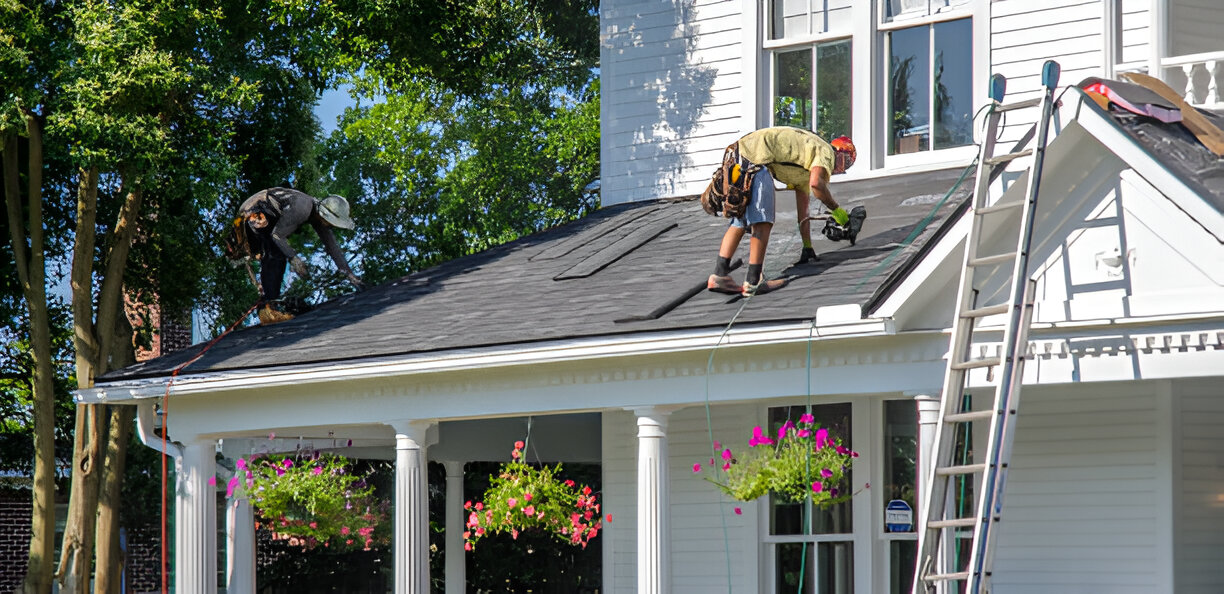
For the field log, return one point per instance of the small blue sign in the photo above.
(898, 516)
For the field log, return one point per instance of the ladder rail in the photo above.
(935, 521)
(1011, 375)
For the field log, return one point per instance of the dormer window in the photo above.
(812, 88)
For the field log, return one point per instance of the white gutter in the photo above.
(839, 321)
(144, 429)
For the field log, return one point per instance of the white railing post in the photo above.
(1188, 70)
(1213, 94)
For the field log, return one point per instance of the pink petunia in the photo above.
(518, 445)
(479, 506)
(697, 467)
(344, 530)
(526, 496)
(511, 502)
(825, 472)
(231, 486)
(726, 466)
(529, 510)
(822, 438)
(240, 464)
(804, 433)
(739, 512)
(759, 438)
(586, 490)
(854, 454)
(467, 505)
(717, 446)
(783, 429)
(288, 463)
(817, 487)
(317, 470)
(807, 418)
(726, 455)
(212, 481)
(842, 450)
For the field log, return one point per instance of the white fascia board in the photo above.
(951, 245)
(838, 326)
(1106, 131)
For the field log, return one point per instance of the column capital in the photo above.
(453, 467)
(414, 429)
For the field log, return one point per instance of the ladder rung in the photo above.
(953, 523)
(1017, 105)
(999, 207)
(1008, 157)
(976, 363)
(944, 577)
(992, 260)
(982, 312)
(959, 470)
(969, 417)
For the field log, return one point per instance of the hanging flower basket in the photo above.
(312, 500)
(799, 461)
(524, 498)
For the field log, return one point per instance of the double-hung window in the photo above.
(811, 550)
(808, 49)
(930, 84)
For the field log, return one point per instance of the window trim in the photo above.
(948, 13)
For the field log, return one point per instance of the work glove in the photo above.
(807, 255)
(299, 267)
(840, 216)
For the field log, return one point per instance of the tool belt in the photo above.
(731, 187)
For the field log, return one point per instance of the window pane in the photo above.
(789, 566)
(953, 90)
(793, 89)
(788, 518)
(909, 88)
(835, 563)
(902, 555)
(790, 18)
(900, 451)
(833, 90)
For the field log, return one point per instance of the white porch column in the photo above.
(239, 546)
(456, 578)
(653, 532)
(195, 519)
(411, 508)
(928, 418)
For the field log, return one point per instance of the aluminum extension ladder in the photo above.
(940, 520)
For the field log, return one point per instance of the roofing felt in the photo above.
(630, 268)
(1174, 147)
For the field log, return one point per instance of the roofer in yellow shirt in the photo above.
(743, 191)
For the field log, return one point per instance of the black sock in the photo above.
(722, 266)
(754, 274)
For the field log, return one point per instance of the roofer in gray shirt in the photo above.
(264, 223)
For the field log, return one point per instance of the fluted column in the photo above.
(411, 508)
(240, 547)
(928, 418)
(653, 542)
(195, 519)
(455, 555)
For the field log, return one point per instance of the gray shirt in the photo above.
(287, 210)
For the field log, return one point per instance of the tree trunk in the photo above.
(31, 273)
(76, 552)
(110, 558)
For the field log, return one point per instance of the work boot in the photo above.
(807, 255)
(762, 287)
(722, 284)
(269, 315)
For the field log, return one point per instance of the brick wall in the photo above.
(15, 510)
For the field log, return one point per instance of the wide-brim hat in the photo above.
(335, 210)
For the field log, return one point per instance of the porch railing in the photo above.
(1199, 76)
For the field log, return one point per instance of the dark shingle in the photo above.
(508, 294)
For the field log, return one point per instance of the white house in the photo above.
(601, 332)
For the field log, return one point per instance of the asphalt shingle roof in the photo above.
(629, 268)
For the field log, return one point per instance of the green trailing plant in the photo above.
(523, 497)
(313, 500)
(799, 461)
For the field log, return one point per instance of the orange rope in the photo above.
(165, 564)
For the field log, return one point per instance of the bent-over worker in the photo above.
(264, 223)
(803, 162)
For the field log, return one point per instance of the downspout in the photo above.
(149, 437)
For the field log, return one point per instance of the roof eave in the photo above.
(831, 322)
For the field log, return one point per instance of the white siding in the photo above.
(699, 546)
(1026, 33)
(1200, 515)
(1080, 513)
(672, 94)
